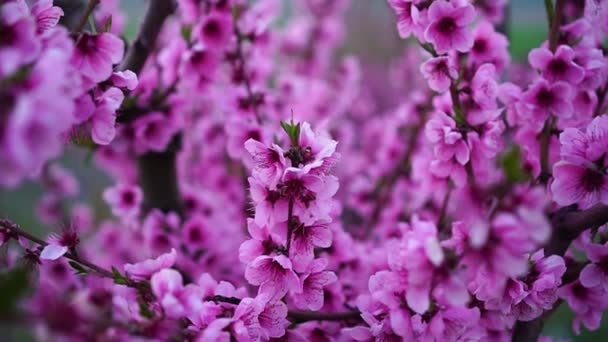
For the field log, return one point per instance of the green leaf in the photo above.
(186, 32)
(14, 285)
(144, 308)
(108, 25)
(119, 278)
(78, 268)
(293, 131)
(511, 163)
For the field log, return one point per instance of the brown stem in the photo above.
(306, 316)
(157, 13)
(601, 97)
(157, 170)
(567, 224)
(85, 16)
(556, 24)
(290, 224)
(545, 142)
(159, 181)
(444, 208)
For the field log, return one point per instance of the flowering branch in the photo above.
(16, 232)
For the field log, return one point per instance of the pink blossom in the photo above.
(196, 233)
(260, 319)
(153, 132)
(448, 26)
(95, 55)
(269, 163)
(124, 200)
(403, 11)
(47, 15)
(587, 304)
(304, 239)
(439, 73)
(544, 98)
(558, 66)
(313, 282)
(489, 46)
(485, 87)
(215, 30)
(59, 244)
(148, 267)
(594, 274)
(580, 177)
(274, 274)
(167, 285)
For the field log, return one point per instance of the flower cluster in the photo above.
(292, 192)
(466, 199)
(55, 87)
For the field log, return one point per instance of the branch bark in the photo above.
(157, 171)
(567, 224)
(157, 13)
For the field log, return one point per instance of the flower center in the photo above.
(592, 180)
(211, 29)
(545, 97)
(480, 46)
(447, 25)
(557, 66)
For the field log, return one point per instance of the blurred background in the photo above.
(372, 36)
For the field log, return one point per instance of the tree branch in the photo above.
(157, 171)
(157, 13)
(16, 232)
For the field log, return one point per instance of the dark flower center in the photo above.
(255, 135)
(211, 29)
(545, 97)
(151, 130)
(557, 66)
(87, 44)
(195, 235)
(592, 180)
(128, 198)
(8, 36)
(199, 58)
(446, 25)
(69, 239)
(480, 46)
(299, 155)
(579, 291)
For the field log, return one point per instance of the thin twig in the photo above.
(556, 21)
(18, 232)
(307, 316)
(85, 17)
(290, 224)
